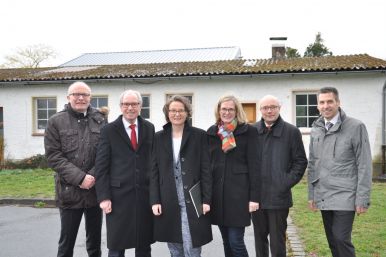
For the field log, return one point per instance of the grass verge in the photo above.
(29, 183)
(369, 231)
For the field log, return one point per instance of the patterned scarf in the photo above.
(225, 132)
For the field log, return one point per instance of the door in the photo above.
(250, 111)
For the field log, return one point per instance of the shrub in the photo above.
(33, 162)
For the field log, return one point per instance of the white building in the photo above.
(29, 96)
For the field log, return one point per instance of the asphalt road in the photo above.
(34, 232)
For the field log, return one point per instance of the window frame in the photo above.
(307, 116)
(97, 97)
(148, 107)
(35, 110)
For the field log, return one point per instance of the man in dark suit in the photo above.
(122, 179)
(282, 163)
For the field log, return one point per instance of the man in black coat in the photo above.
(282, 163)
(123, 166)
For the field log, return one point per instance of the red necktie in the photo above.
(133, 136)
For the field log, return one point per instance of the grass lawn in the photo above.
(33, 183)
(369, 231)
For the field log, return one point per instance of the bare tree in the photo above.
(29, 57)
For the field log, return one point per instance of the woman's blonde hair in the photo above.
(240, 116)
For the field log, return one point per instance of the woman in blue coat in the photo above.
(233, 148)
(180, 160)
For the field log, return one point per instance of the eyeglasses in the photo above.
(127, 105)
(174, 112)
(271, 108)
(77, 95)
(225, 110)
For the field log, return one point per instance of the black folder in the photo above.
(195, 195)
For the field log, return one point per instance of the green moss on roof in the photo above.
(182, 69)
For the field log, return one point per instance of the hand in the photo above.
(253, 206)
(157, 209)
(360, 209)
(105, 205)
(312, 205)
(88, 182)
(205, 208)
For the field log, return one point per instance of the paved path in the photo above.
(32, 232)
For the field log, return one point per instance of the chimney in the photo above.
(278, 47)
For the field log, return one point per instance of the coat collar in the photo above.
(320, 124)
(119, 127)
(277, 128)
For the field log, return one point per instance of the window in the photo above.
(145, 110)
(306, 109)
(190, 98)
(44, 109)
(99, 101)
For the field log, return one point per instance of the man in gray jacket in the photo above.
(339, 171)
(70, 141)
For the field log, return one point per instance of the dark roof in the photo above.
(362, 62)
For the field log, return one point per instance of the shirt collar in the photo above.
(333, 120)
(126, 124)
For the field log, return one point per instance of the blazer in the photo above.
(194, 158)
(122, 175)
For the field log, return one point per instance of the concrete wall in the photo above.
(360, 93)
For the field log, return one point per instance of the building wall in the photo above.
(360, 94)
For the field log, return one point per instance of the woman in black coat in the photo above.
(233, 149)
(180, 160)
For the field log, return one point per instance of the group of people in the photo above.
(142, 180)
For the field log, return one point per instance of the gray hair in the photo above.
(130, 92)
(77, 83)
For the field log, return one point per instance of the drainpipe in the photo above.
(384, 131)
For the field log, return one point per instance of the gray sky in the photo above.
(74, 27)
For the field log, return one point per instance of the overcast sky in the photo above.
(74, 27)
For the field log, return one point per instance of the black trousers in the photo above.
(338, 228)
(272, 223)
(70, 220)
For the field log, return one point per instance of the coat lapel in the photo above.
(119, 127)
(185, 136)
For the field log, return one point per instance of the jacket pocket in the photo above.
(69, 140)
(69, 194)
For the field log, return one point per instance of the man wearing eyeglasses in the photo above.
(123, 166)
(70, 141)
(282, 163)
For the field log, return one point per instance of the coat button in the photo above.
(182, 159)
(185, 187)
(188, 201)
(183, 173)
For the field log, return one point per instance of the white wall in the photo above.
(361, 97)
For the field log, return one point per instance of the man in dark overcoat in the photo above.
(282, 163)
(123, 166)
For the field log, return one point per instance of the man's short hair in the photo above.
(326, 90)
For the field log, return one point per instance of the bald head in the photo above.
(269, 99)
